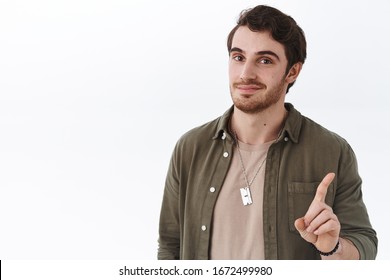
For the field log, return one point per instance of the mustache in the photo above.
(249, 83)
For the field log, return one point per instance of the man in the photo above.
(263, 181)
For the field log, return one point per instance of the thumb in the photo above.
(300, 225)
(301, 228)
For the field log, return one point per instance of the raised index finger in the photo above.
(323, 187)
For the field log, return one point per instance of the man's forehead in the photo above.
(255, 41)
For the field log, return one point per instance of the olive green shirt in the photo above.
(296, 163)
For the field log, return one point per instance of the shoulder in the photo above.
(205, 132)
(319, 133)
(197, 137)
(306, 129)
(312, 135)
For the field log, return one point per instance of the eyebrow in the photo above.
(266, 52)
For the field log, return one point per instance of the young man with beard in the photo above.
(263, 181)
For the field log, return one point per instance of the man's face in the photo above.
(257, 71)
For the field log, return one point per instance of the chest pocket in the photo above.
(300, 196)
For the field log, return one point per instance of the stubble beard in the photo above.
(258, 102)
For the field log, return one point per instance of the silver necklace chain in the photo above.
(242, 162)
(248, 184)
(245, 192)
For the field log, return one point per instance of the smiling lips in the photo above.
(248, 88)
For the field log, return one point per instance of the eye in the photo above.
(238, 57)
(265, 61)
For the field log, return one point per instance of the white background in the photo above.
(95, 94)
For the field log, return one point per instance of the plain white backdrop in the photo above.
(95, 94)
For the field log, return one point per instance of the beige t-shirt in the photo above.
(237, 231)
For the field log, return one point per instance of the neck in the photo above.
(258, 128)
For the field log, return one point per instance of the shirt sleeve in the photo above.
(169, 227)
(350, 208)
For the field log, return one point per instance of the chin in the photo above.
(251, 108)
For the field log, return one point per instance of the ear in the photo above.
(294, 72)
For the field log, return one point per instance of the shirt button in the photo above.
(212, 189)
(203, 228)
(225, 154)
(224, 136)
(285, 139)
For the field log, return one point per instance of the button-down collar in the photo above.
(292, 126)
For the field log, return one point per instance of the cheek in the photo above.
(277, 75)
(234, 72)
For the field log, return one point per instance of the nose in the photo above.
(248, 72)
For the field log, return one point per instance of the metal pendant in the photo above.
(246, 196)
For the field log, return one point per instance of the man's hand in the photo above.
(320, 225)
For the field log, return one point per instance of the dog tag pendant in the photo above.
(246, 196)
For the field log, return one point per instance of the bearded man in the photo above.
(262, 181)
